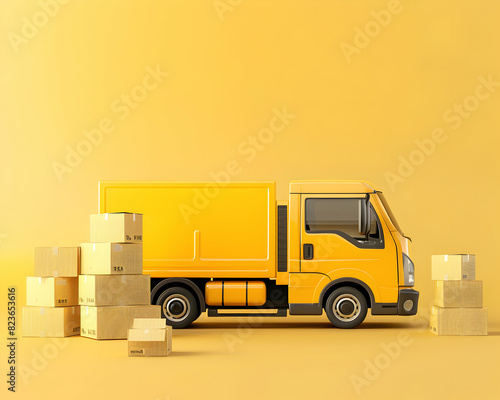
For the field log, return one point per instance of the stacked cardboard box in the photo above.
(112, 289)
(52, 294)
(149, 337)
(458, 301)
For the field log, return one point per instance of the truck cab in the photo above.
(231, 249)
(347, 254)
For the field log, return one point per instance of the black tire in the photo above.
(179, 307)
(346, 307)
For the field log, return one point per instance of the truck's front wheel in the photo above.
(178, 306)
(346, 307)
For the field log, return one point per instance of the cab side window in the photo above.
(341, 217)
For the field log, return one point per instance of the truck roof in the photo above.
(337, 186)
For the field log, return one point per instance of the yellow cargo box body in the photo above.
(201, 230)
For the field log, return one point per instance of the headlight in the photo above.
(408, 271)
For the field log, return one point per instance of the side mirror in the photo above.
(364, 216)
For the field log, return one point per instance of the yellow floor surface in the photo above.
(271, 358)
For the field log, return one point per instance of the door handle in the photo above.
(308, 251)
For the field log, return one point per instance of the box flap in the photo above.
(150, 323)
(147, 335)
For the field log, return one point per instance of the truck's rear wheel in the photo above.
(179, 306)
(346, 307)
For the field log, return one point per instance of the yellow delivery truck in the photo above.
(231, 249)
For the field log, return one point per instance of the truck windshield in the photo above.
(389, 212)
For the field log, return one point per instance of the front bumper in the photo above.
(407, 302)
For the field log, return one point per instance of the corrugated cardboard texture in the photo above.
(51, 322)
(116, 228)
(111, 259)
(459, 321)
(114, 290)
(57, 261)
(458, 293)
(150, 323)
(453, 267)
(51, 292)
(114, 321)
(150, 343)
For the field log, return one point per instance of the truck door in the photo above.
(331, 243)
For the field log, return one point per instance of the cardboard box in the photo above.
(150, 342)
(51, 321)
(51, 291)
(454, 267)
(459, 321)
(458, 293)
(57, 261)
(113, 322)
(111, 258)
(116, 228)
(114, 290)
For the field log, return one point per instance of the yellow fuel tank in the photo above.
(235, 293)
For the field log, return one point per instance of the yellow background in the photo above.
(353, 120)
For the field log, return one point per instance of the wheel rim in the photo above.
(176, 307)
(346, 307)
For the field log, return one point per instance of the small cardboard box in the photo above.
(454, 267)
(111, 258)
(459, 321)
(51, 321)
(458, 293)
(113, 322)
(57, 261)
(116, 228)
(150, 342)
(114, 290)
(51, 291)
